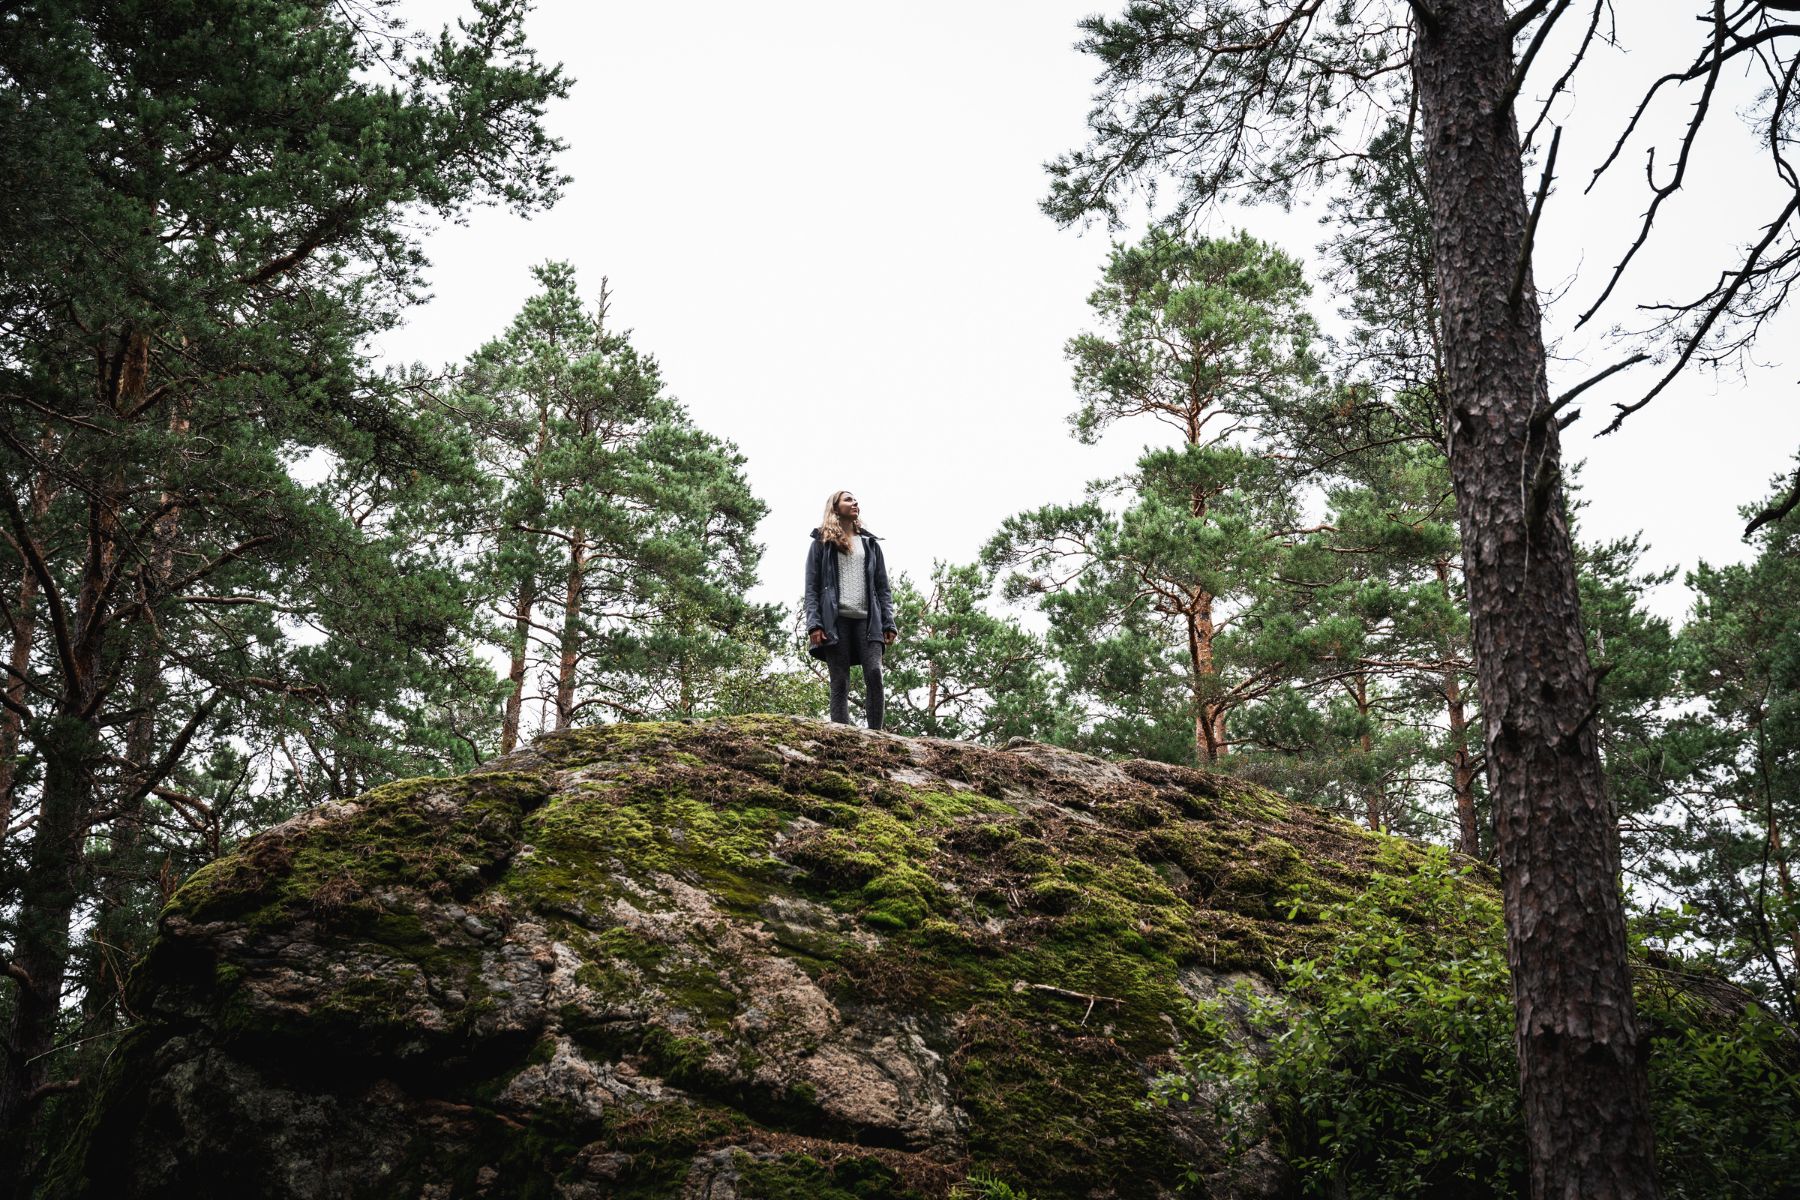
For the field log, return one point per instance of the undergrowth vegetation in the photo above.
(1384, 1066)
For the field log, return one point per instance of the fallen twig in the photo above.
(1020, 985)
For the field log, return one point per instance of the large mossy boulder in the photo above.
(755, 957)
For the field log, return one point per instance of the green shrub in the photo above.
(1385, 1066)
(1726, 1095)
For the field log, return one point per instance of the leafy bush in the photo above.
(1725, 1090)
(1385, 1067)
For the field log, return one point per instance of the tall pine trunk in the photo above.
(115, 868)
(54, 865)
(69, 744)
(932, 681)
(25, 631)
(1581, 1056)
(1462, 762)
(1365, 743)
(570, 656)
(523, 602)
(1209, 716)
(1462, 767)
(11, 723)
(71, 747)
(48, 894)
(116, 918)
(1209, 713)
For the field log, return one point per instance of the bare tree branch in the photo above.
(1563, 400)
(53, 598)
(1562, 81)
(1720, 305)
(1783, 507)
(1504, 108)
(1537, 210)
(1726, 43)
(44, 1091)
(1525, 16)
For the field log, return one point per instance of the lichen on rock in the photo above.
(751, 957)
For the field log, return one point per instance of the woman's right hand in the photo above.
(817, 636)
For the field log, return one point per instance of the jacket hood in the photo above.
(818, 534)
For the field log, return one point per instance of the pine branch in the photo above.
(172, 755)
(1777, 511)
(29, 683)
(180, 583)
(1563, 400)
(1562, 81)
(44, 1091)
(1503, 109)
(53, 598)
(1720, 305)
(1710, 64)
(1537, 209)
(1525, 16)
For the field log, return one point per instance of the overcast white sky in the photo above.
(822, 219)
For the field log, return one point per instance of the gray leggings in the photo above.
(854, 649)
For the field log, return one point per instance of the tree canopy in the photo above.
(223, 205)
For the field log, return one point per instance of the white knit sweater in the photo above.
(853, 581)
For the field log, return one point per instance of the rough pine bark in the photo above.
(1582, 1072)
(48, 893)
(1209, 720)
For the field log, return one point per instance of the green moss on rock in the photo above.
(445, 838)
(803, 1177)
(735, 925)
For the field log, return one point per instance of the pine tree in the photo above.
(1378, 444)
(1260, 99)
(1386, 652)
(1205, 336)
(963, 672)
(217, 204)
(1638, 656)
(1710, 799)
(619, 561)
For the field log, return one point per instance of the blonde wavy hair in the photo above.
(831, 527)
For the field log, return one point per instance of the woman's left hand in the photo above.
(887, 638)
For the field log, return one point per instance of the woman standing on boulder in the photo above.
(849, 609)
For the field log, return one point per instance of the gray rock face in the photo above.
(755, 957)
